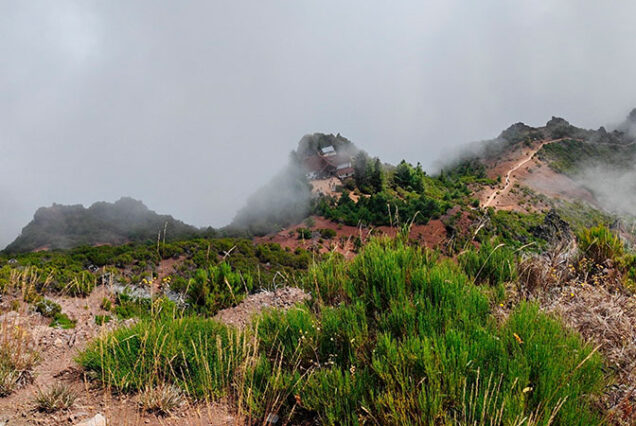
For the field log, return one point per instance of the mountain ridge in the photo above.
(126, 220)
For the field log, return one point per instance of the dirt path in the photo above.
(496, 197)
(510, 178)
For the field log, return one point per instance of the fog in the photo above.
(614, 185)
(192, 106)
(614, 189)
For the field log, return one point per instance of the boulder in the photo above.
(98, 420)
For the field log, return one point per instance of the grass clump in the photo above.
(17, 358)
(102, 319)
(57, 397)
(162, 399)
(196, 354)
(600, 244)
(492, 264)
(81, 285)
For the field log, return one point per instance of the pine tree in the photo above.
(377, 176)
(360, 165)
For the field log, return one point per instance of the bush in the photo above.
(217, 287)
(304, 233)
(327, 233)
(196, 354)
(48, 308)
(599, 244)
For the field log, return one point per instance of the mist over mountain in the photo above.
(126, 220)
(286, 198)
(612, 178)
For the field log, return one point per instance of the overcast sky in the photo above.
(190, 106)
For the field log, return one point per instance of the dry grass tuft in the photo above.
(592, 301)
(57, 397)
(162, 399)
(608, 318)
(540, 272)
(17, 357)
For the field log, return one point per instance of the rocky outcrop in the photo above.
(553, 229)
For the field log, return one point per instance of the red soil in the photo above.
(431, 235)
(520, 167)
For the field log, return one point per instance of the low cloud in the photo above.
(614, 189)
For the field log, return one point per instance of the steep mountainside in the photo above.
(126, 220)
(537, 167)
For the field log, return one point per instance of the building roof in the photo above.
(328, 150)
(347, 171)
(336, 164)
(338, 160)
(315, 163)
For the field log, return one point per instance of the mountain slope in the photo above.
(126, 220)
(559, 162)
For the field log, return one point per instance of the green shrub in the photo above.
(348, 395)
(127, 306)
(600, 244)
(62, 321)
(327, 233)
(412, 336)
(304, 233)
(48, 308)
(490, 264)
(217, 287)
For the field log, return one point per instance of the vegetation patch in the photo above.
(162, 399)
(62, 321)
(394, 336)
(572, 156)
